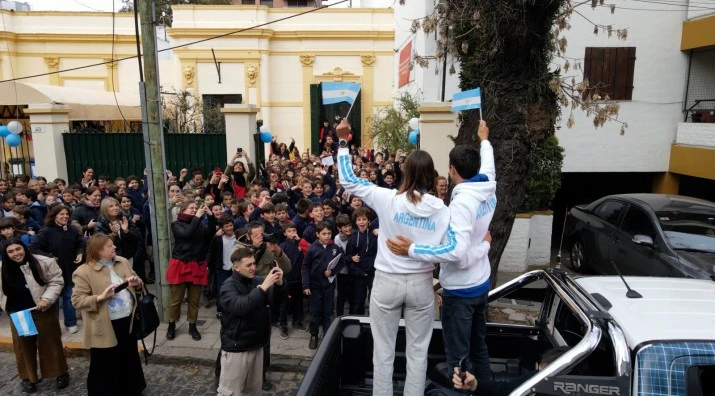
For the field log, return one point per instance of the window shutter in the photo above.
(610, 71)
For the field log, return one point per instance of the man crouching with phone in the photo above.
(245, 324)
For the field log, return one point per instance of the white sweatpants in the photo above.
(390, 294)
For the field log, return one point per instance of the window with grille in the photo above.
(610, 71)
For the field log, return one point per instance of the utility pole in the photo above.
(154, 153)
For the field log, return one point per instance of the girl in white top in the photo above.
(401, 283)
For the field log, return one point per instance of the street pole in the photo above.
(154, 154)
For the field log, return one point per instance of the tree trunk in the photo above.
(508, 58)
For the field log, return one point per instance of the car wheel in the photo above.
(578, 257)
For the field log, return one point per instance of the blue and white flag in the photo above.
(24, 324)
(467, 100)
(336, 92)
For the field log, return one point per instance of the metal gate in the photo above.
(122, 154)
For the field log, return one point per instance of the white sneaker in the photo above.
(72, 329)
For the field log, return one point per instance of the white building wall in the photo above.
(659, 80)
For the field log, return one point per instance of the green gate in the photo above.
(320, 112)
(122, 154)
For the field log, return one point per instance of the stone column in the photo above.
(437, 121)
(53, 65)
(240, 128)
(48, 121)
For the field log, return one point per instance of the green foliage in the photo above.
(163, 7)
(544, 174)
(389, 125)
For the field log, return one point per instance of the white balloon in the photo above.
(14, 127)
(264, 128)
(414, 123)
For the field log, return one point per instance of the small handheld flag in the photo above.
(467, 100)
(23, 323)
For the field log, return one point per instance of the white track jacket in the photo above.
(426, 222)
(464, 253)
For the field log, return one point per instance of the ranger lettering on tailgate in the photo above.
(569, 388)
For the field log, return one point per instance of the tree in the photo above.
(506, 48)
(184, 113)
(388, 127)
(163, 7)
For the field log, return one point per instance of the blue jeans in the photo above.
(464, 327)
(70, 316)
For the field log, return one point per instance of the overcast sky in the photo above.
(73, 5)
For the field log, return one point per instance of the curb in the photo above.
(281, 363)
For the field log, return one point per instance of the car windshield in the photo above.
(691, 231)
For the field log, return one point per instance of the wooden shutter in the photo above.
(610, 70)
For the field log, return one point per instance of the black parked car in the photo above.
(643, 234)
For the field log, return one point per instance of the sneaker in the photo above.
(63, 381)
(299, 326)
(284, 332)
(28, 387)
(313, 344)
(72, 329)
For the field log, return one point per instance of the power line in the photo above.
(178, 46)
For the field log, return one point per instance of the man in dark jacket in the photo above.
(245, 324)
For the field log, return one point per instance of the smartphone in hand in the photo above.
(121, 287)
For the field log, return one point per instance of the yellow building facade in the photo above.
(271, 66)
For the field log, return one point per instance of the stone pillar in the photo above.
(48, 121)
(368, 93)
(436, 122)
(240, 128)
(666, 183)
(306, 61)
(53, 66)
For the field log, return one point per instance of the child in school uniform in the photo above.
(317, 282)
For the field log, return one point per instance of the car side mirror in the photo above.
(643, 240)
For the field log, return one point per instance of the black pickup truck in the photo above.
(662, 343)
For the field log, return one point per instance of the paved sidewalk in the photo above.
(287, 355)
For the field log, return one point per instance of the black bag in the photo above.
(146, 320)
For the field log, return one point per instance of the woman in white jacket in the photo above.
(401, 284)
(34, 282)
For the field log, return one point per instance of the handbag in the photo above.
(146, 320)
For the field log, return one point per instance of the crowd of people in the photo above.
(259, 241)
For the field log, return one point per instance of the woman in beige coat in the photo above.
(114, 364)
(29, 282)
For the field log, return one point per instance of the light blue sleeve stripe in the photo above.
(440, 249)
(347, 171)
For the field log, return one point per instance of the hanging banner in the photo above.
(405, 60)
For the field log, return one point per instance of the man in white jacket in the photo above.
(464, 269)
(402, 284)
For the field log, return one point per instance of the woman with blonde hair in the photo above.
(124, 233)
(114, 365)
(29, 281)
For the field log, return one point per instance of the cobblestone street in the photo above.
(176, 379)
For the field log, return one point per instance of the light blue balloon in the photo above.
(4, 132)
(266, 137)
(414, 135)
(13, 140)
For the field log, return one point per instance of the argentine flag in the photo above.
(467, 100)
(336, 92)
(24, 324)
